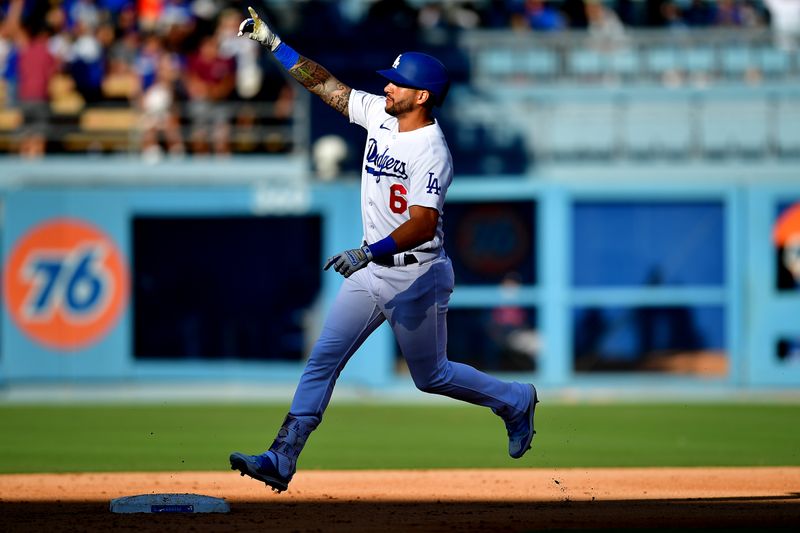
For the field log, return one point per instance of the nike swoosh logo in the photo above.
(385, 128)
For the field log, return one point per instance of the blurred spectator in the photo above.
(124, 52)
(161, 113)
(729, 13)
(785, 16)
(205, 13)
(148, 58)
(60, 39)
(575, 13)
(700, 13)
(127, 20)
(671, 16)
(87, 62)
(244, 52)
(604, 25)
(149, 13)
(542, 16)
(448, 15)
(122, 79)
(85, 13)
(35, 66)
(211, 79)
(176, 25)
(8, 67)
(495, 14)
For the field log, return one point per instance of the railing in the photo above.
(663, 56)
(69, 125)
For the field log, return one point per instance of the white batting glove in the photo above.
(256, 29)
(350, 261)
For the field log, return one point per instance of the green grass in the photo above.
(200, 437)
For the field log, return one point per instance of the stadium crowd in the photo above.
(180, 66)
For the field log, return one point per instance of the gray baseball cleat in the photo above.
(262, 468)
(520, 430)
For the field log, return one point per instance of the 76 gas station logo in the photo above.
(65, 284)
(75, 282)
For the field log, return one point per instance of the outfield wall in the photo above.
(623, 275)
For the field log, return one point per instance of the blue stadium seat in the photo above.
(539, 63)
(623, 62)
(662, 60)
(583, 129)
(773, 61)
(658, 128)
(585, 62)
(735, 126)
(788, 126)
(699, 60)
(737, 60)
(495, 62)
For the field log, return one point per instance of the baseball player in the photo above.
(400, 274)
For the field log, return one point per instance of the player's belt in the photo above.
(388, 260)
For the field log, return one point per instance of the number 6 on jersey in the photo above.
(397, 200)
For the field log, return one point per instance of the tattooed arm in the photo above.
(319, 81)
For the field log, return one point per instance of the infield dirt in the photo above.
(419, 500)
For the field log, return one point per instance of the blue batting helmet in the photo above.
(419, 71)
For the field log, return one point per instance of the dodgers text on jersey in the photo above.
(383, 163)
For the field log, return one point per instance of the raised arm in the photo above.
(310, 74)
(319, 81)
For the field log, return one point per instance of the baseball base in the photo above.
(169, 503)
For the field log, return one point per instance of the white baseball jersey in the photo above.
(400, 169)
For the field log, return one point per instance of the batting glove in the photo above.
(350, 261)
(256, 29)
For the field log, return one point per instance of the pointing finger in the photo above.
(331, 261)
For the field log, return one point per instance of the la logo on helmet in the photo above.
(397, 61)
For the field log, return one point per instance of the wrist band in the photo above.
(286, 55)
(385, 246)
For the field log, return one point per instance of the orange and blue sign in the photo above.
(65, 284)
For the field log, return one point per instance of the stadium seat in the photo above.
(64, 98)
(737, 61)
(105, 129)
(662, 61)
(735, 127)
(583, 129)
(623, 62)
(788, 127)
(108, 119)
(699, 60)
(494, 63)
(11, 121)
(120, 86)
(539, 63)
(585, 63)
(773, 62)
(658, 128)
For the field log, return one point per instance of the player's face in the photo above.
(399, 100)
